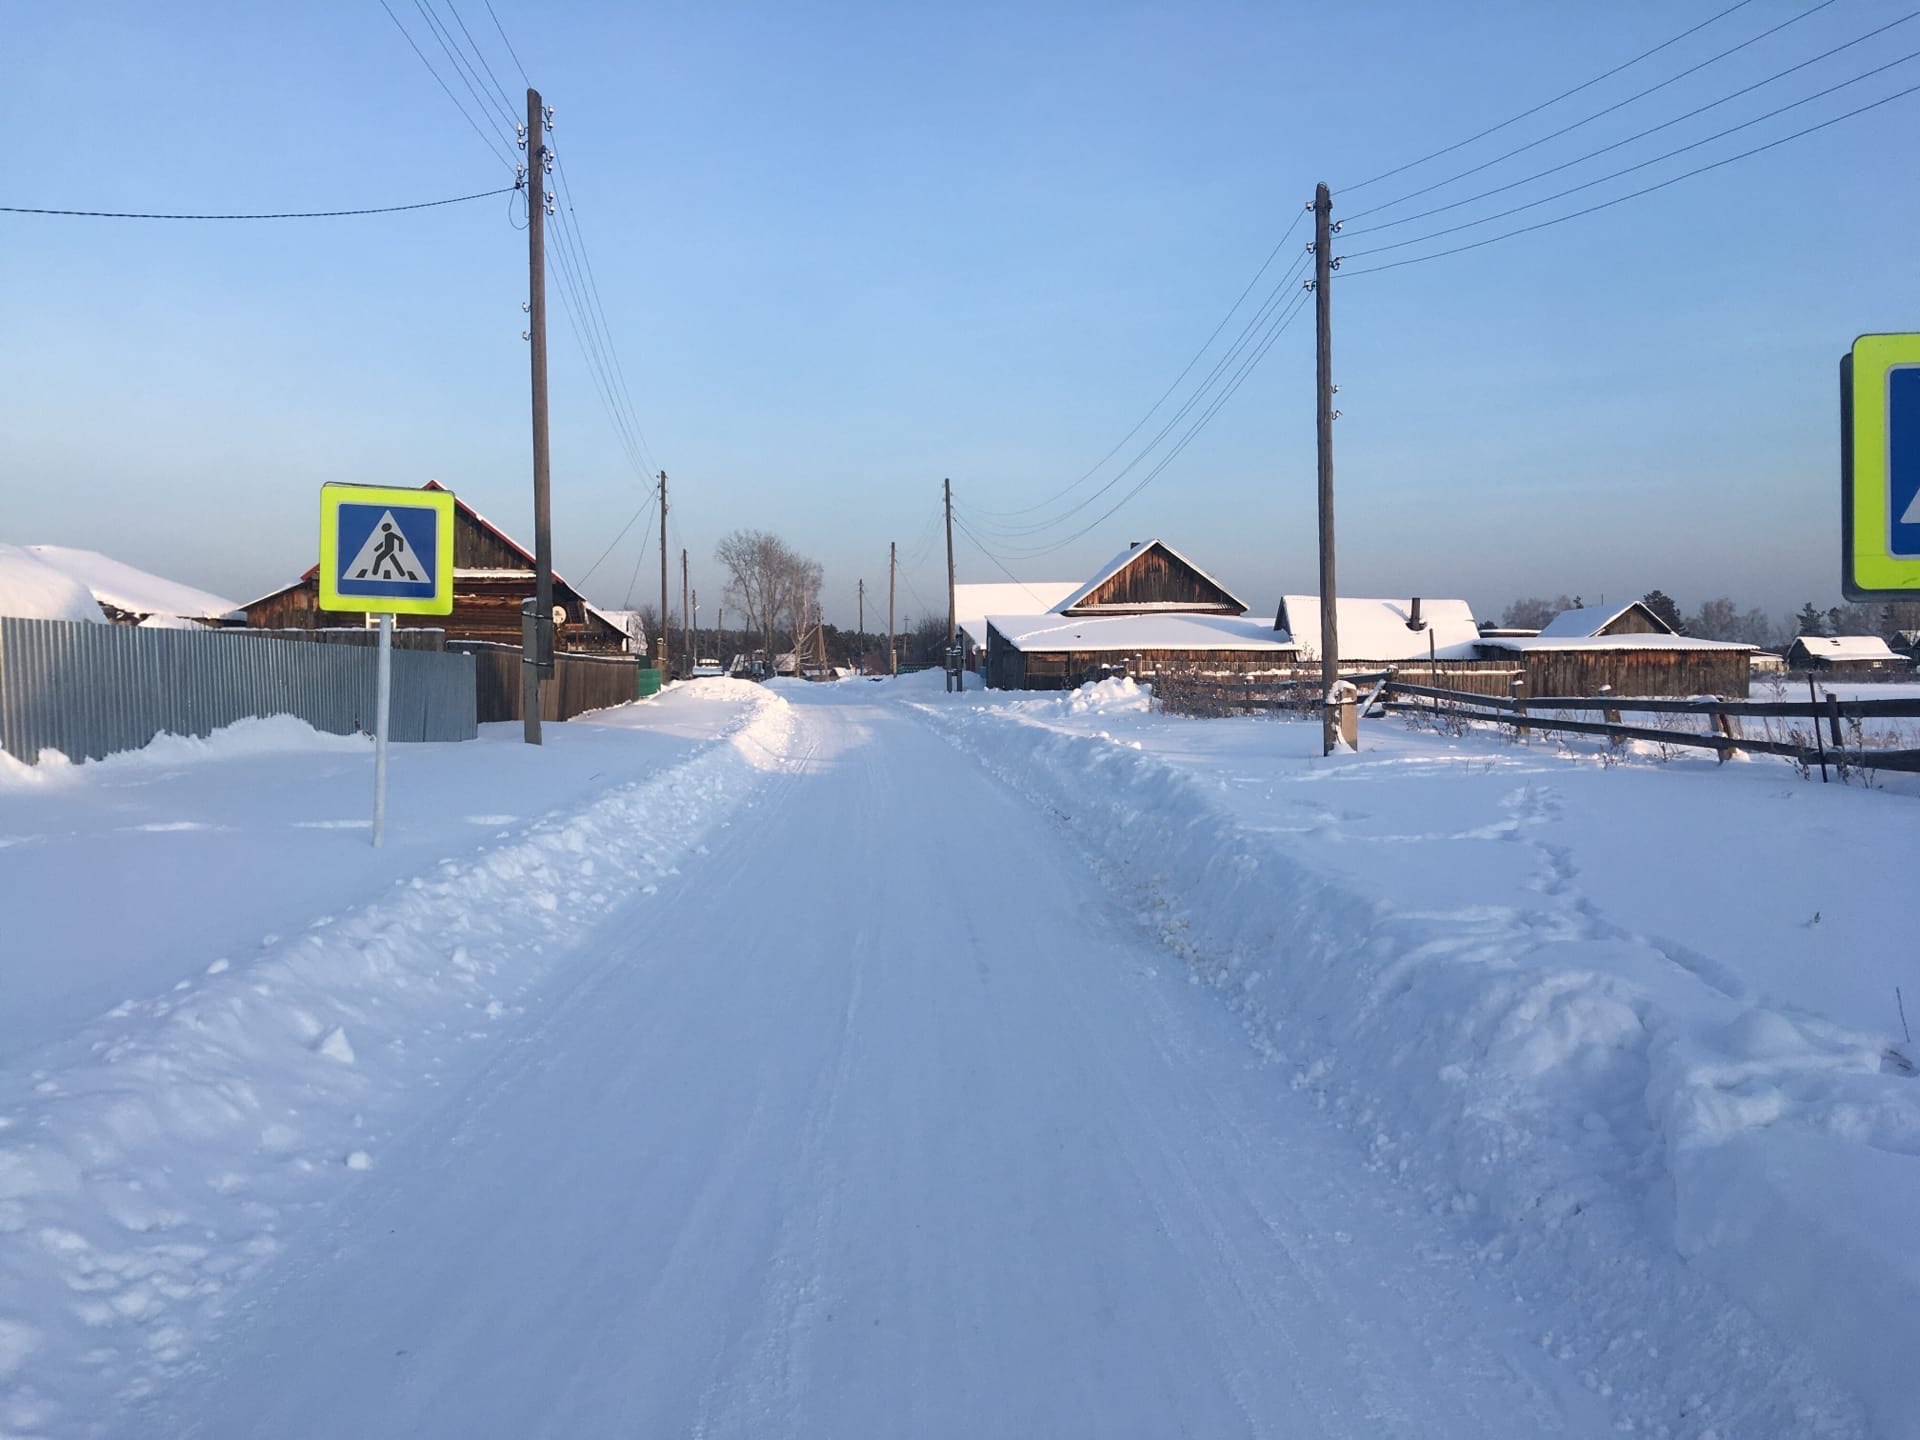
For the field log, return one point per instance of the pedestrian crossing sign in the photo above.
(1880, 468)
(386, 551)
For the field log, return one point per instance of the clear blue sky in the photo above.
(849, 249)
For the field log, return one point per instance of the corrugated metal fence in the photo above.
(90, 690)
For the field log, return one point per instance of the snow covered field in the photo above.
(850, 1059)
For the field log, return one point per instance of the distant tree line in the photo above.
(1722, 619)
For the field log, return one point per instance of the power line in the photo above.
(480, 55)
(1232, 353)
(639, 559)
(1622, 104)
(1247, 367)
(462, 69)
(1232, 310)
(502, 156)
(1655, 160)
(650, 501)
(1641, 135)
(1545, 104)
(508, 43)
(1636, 194)
(274, 215)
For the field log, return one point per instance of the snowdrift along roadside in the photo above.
(1581, 1104)
(151, 1163)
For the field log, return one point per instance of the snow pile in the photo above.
(265, 735)
(113, 582)
(35, 590)
(152, 1161)
(1570, 1091)
(1116, 695)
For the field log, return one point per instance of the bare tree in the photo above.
(1531, 612)
(770, 583)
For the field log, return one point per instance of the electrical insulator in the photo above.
(1336, 226)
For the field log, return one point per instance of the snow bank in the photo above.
(154, 1160)
(35, 590)
(268, 735)
(1574, 1095)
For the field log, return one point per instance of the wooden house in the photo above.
(1147, 608)
(1845, 655)
(1380, 632)
(492, 576)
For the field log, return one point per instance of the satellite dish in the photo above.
(559, 614)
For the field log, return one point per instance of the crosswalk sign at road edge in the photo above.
(440, 502)
(1873, 567)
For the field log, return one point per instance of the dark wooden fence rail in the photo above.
(1524, 714)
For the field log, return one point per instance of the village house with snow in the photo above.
(1151, 607)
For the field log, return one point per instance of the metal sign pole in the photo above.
(383, 694)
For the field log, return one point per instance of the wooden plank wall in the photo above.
(579, 682)
(1156, 579)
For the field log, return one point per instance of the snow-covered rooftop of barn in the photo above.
(138, 592)
(973, 603)
(1588, 620)
(1544, 641)
(1378, 629)
(1052, 632)
(1847, 647)
(35, 590)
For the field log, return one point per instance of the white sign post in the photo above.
(383, 697)
(385, 552)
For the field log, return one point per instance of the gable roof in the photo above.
(116, 583)
(1132, 555)
(1844, 647)
(973, 603)
(1161, 630)
(461, 507)
(1590, 620)
(1378, 629)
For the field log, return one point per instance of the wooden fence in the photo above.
(579, 682)
(1815, 732)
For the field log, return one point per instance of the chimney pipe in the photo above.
(1414, 621)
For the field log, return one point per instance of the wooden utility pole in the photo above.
(860, 635)
(953, 670)
(660, 645)
(533, 666)
(1323, 428)
(686, 615)
(893, 569)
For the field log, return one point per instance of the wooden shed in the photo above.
(1633, 664)
(492, 576)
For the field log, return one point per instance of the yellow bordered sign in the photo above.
(386, 551)
(1880, 468)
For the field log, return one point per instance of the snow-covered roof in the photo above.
(1846, 647)
(973, 603)
(114, 582)
(1590, 620)
(1181, 631)
(1114, 566)
(1378, 629)
(32, 588)
(1544, 641)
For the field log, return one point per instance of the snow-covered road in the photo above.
(805, 1146)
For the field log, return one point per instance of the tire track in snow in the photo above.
(155, 1164)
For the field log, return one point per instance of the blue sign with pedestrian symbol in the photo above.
(385, 550)
(1903, 461)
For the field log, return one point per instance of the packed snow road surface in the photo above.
(820, 1143)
